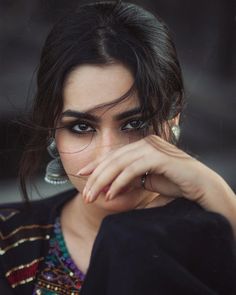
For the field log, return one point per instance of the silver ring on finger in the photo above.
(143, 179)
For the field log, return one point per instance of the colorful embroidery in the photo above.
(23, 234)
(26, 228)
(60, 275)
(7, 213)
(23, 273)
(19, 242)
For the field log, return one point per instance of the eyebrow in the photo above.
(94, 118)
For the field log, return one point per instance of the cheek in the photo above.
(73, 163)
(72, 160)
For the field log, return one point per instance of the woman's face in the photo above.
(87, 135)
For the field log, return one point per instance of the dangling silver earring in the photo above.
(176, 131)
(55, 173)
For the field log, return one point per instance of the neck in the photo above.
(82, 220)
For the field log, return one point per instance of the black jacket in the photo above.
(175, 249)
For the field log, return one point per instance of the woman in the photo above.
(108, 105)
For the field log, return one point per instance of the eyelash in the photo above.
(72, 126)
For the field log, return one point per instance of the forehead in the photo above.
(88, 86)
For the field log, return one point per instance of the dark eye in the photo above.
(82, 128)
(134, 124)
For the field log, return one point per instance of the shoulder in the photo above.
(25, 230)
(181, 239)
(189, 228)
(21, 213)
(178, 213)
(20, 220)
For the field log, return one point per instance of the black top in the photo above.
(176, 249)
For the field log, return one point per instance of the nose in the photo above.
(108, 141)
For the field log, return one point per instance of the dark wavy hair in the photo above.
(103, 33)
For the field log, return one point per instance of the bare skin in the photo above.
(172, 173)
(108, 172)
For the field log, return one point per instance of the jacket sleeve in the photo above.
(175, 249)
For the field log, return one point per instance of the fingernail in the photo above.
(108, 195)
(86, 200)
(89, 196)
(84, 193)
(82, 173)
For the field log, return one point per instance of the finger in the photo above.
(166, 147)
(154, 183)
(116, 155)
(104, 174)
(162, 185)
(88, 169)
(108, 169)
(154, 141)
(131, 172)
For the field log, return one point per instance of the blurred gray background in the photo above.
(205, 37)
